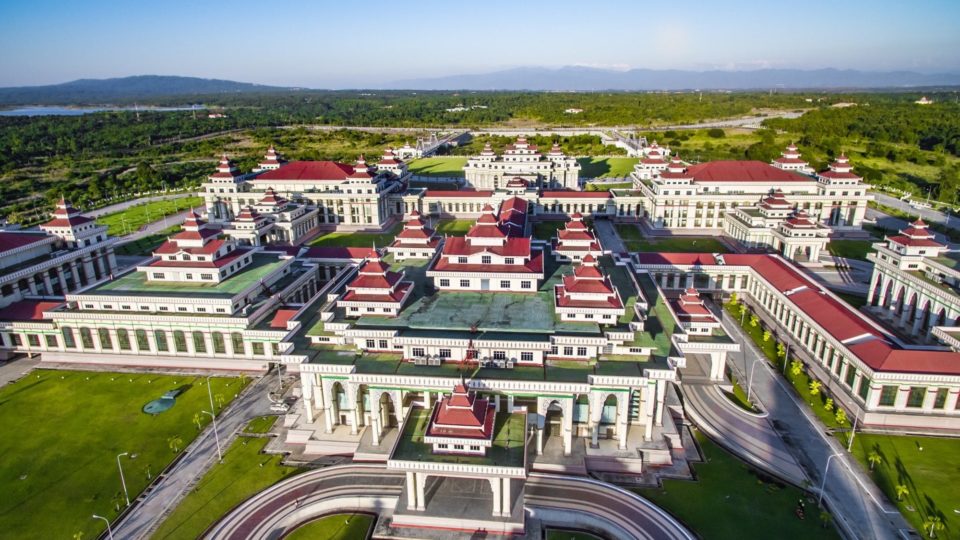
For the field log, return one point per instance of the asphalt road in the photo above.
(201, 455)
(607, 234)
(113, 208)
(928, 214)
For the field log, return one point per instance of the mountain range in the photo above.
(572, 78)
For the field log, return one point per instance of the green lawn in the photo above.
(634, 240)
(244, 471)
(598, 167)
(545, 230)
(63, 431)
(438, 166)
(334, 527)
(608, 186)
(261, 424)
(357, 239)
(563, 534)
(850, 249)
(131, 219)
(454, 227)
(147, 244)
(730, 501)
(739, 397)
(931, 475)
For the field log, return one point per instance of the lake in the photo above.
(77, 111)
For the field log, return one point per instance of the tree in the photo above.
(198, 421)
(825, 518)
(815, 387)
(902, 491)
(874, 458)
(766, 336)
(795, 368)
(716, 133)
(734, 299)
(754, 321)
(219, 399)
(828, 405)
(174, 443)
(841, 416)
(781, 350)
(78, 535)
(933, 524)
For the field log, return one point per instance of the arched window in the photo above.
(199, 345)
(105, 341)
(219, 346)
(161, 337)
(86, 338)
(142, 343)
(179, 341)
(123, 339)
(237, 339)
(68, 340)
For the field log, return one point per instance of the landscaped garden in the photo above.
(545, 230)
(730, 501)
(335, 527)
(245, 470)
(438, 166)
(133, 218)
(146, 245)
(606, 167)
(63, 431)
(454, 227)
(851, 249)
(634, 240)
(357, 239)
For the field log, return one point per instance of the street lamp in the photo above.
(122, 481)
(750, 377)
(107, 521)
(823, 483)
(210, 395)
(215, 434)
(853, 430)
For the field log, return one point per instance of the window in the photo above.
(68, 340)
(458, 447)
(51, 341)
(219, 346)
(257, 348)
(445, 353)
(486, 259)
(940, 401)
(444, 282)
(237, 339)
(508, 260)
(382, 345)
(581, 351)
(207, 277)
(568, 351)
(525, 284)
(464, 282)
(851, 375)
(179, 341)
(462, 260)
(17, 340)
(123, 339)
(371, 343)
(141, 336)
(916, 396)
(418, 351)
(475, 448)
(157, 275)
(199, 344)
(499, 355)
(526, 356)
(161, 337)
(33, 340)
(105, 341)
(864, 388)
(588, 315)
(504, 284)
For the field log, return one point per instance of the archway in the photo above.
(339, 403)
(608, 417)
(386, 410)
(553, 420)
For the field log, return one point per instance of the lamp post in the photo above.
(750, 377)
(823, 482)
(853, 431)
(107, 521)
(123, 482)
(215, 434)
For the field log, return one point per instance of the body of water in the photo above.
(77, 111)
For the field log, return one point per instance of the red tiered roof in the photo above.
(27, 310)
(462, 415)
(307, 171)
(10, 240)
(66, 216)
(742, 171)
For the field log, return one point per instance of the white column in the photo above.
(355, 424)
(539, 439)
(62, 278)
(328, 420)
(375, 428)
(507, 502)
(411, 491)
(421, 497)
(307, 389)
(497, 496)
(568, 432)
(661, 393)
(595, 434)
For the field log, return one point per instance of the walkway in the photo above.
(859, 507)
(153, 507)
(749, 436)
(113, 208)
(607, 234)
(371, 487)
(17, 368)
(157, 226)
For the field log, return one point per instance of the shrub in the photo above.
(716, 133)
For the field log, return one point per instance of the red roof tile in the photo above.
(742, 171)
(307, 171)
(12, 240)
(27, 310)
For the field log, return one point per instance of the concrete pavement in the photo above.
(607, 234)
(153, 506)
(17, 368)
(860, 508)
(928, 214)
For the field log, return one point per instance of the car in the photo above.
(279, 407)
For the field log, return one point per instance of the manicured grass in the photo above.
(545, 230)
(607, 186)
(454, 227)
(131, 219)
(731, 501)
(931, 475)
(598, 167)
(261, 424)
(63, 431)
(334, 527)
(357, 239)
(438, 166)
(146, 245)
(635, 241)
(850, 249)
(562, 534)
(739, 397)
(244, 472)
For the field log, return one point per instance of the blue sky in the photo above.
(336, 44)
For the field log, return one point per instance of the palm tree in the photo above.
(815, 387)
(754, 321)
(78, 535)
(825, 518)
(766, 336)
(118, 501)
(933, 524)
(828, 404)
(219, 399)
(902, 491)
(198, 421)
(841, 416)
(174, 443)
(796, 367)
(874, 458)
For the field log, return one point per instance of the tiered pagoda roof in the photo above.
(271, 160)
(916, 235)
(66, 215)
(587, 287)
(462, 415)
(376, 283)
(690, 308)
(226, 170)
(415, 233)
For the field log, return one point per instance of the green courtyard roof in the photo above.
(507, 451)
(135, 283)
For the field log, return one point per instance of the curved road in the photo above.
(371, 487)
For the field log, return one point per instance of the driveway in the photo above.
(607, 234)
